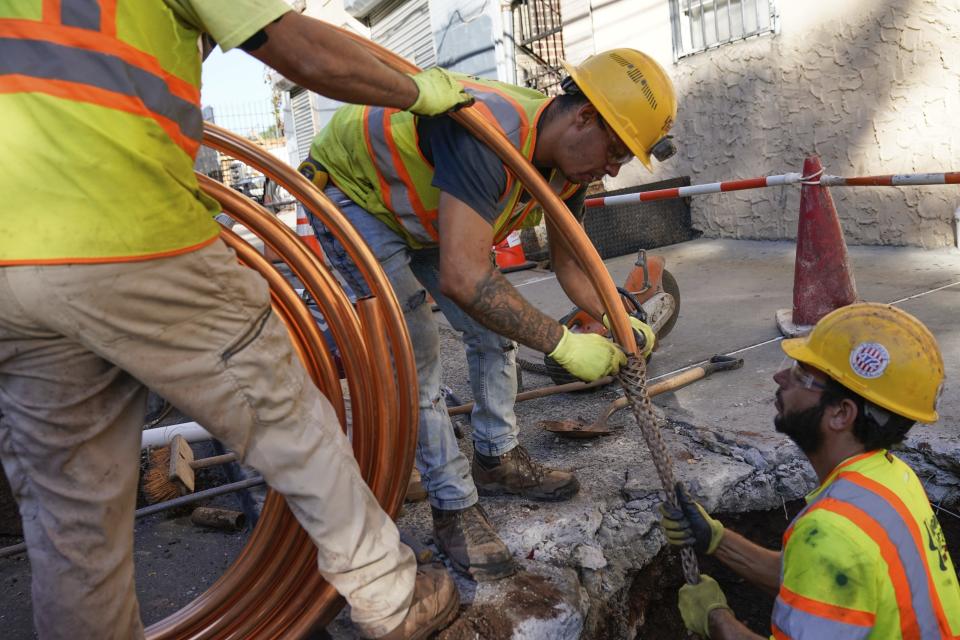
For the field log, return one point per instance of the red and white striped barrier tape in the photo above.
(907, 179)
(899, 180)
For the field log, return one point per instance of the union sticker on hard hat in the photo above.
(869, 359)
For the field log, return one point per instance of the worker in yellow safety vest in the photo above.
(866, 558)
(113, 279)
(430, 200)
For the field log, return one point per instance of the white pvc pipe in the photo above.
(161, 436)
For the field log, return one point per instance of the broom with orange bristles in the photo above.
(171, 471)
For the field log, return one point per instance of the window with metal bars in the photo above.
(699, 25)
(538, 41)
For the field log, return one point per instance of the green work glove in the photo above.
(646, 338)
(588, 356)
(697, 601)
(440, 93)
(689, 525)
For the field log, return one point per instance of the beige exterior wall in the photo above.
(871, 86)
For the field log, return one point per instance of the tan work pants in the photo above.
(76, 342)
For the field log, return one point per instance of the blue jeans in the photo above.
(491, 358)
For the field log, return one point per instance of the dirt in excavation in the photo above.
(653, 594)
(530, 594)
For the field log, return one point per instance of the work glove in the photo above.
(697, 601)
(689, 525)
(588, 356)
(645, 339)
(440, 93)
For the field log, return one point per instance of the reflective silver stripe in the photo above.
(80, 13)
(504, 111)
(50, 61)
(400, 203)
(510, 121)
(800, 625)
(914, 565)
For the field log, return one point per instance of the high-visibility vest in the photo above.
(101, 123)
(873, 514)
(372, 154)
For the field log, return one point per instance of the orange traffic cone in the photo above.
(509, 254)
(822, 279)
(305, 231)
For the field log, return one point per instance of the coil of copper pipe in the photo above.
(273, 589)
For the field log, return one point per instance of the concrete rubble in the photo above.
(586, 552)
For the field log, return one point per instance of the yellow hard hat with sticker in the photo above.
(879, 352)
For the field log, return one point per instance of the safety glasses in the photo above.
(799, 375)
(617, 151)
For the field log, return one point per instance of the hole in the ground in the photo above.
(652, 602)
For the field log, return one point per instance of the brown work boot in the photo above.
(435, 604)
(515, 473)
(466, 537)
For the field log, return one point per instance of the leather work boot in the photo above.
(473, 547)
(434, 606)
(515, 473)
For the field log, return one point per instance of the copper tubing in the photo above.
(273, 589)
(571, 233)
(374, 331)
(398, 338)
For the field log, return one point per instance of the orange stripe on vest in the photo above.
(827, 610)
(898, 576)
(100, 97)
(894, 501)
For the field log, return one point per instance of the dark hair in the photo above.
(563, 103)
(870, 433)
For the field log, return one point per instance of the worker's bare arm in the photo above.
(755, 563)
(317, 57)
(724, 626)
(469, 278)
(569, 274)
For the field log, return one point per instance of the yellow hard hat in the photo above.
(879, 352)
(634, 95)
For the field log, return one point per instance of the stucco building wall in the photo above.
(870, 86)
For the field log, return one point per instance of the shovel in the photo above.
(581, 429)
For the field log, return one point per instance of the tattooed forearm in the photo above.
(498, 306)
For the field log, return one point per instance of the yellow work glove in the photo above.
(689, 525)
(697, 601)
(646, 338)
(588, 356)
(440, 93)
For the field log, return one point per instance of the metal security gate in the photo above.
(403, 26)
(304, 126)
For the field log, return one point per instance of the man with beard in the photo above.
(866, 558)
(430, 200)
